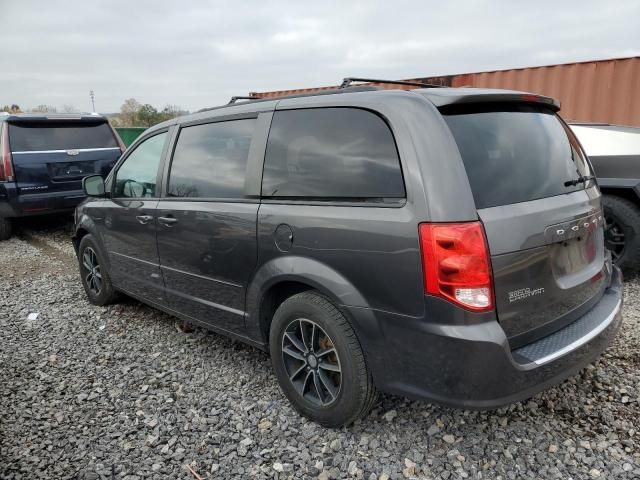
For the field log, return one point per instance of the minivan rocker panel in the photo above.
(343, 288)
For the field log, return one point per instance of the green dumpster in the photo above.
(129, 134)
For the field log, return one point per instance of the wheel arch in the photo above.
(86, 226)
(284, 277)
(629, 193)
(79, 234)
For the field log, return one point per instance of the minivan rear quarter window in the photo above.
(29, 137)
(331, 154)
(210, 160)
(515, 152)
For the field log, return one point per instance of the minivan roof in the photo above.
(54, 117)
(440, 97)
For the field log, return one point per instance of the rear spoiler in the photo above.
(53, 118)
(462, 96)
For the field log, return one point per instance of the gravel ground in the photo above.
(89, 392)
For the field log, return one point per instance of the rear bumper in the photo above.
(13, 204)
(472, 365)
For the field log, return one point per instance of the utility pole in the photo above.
(93, 103)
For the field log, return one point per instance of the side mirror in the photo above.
(93, 186)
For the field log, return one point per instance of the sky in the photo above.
(197, 54)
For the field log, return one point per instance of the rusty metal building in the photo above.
(606, 91)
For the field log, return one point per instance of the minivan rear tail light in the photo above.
(455, 264)
(6, 168)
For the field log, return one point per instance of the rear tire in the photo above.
(319, 362)
(6, 228)
(94, 274)
(622, 233)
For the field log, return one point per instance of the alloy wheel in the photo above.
(311, 362)
(93, 276)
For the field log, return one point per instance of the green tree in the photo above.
(148, 115)
(134, 114)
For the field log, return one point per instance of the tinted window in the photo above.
(55, 136)
(210, 161)
(515, 153)
(136, 177)
(331, 153)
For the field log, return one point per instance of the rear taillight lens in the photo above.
(455, 263)
(6, 168)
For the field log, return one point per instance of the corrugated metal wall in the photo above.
(606, 91)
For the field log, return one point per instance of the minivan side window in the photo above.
(210, 160)
(136, 177)
(331, 154)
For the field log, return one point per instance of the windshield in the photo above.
(516, 153)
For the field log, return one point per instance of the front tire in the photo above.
(93, 272)
(622, 232)
(318, 361)
(6, 228)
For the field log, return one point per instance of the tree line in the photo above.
(14, 108)
(134, 114)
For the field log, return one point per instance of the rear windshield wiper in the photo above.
(580, 179)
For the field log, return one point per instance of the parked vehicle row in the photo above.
(442, 243)
(44, 159)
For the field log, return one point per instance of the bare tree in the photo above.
(44, 109)
(129, 112)
(67, 108)
(172, 111)
(13, 108)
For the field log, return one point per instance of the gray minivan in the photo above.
(441, 243)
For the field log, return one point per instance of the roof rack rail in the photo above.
(346, 82)
(235, 98)
(332, 91)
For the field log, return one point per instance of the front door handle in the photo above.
(144, 219)
(167, 221)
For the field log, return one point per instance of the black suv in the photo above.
(441, 243)
(43, 159)
(614, 152)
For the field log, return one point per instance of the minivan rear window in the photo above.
(29, 137)
(331, 154)
(515, 152)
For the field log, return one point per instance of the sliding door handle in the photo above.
(167, 221)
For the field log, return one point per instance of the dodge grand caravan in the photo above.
(43, 158)
(441, 243)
